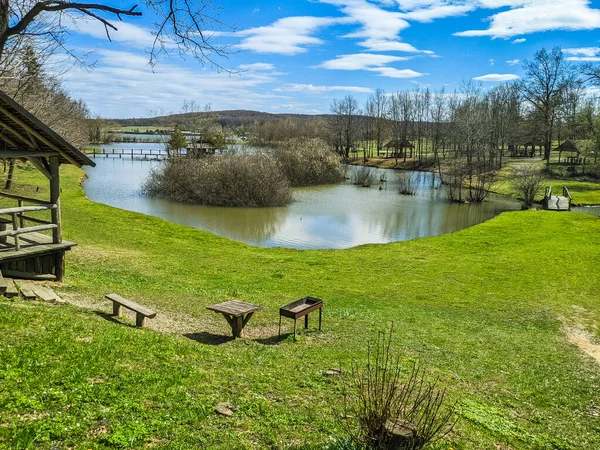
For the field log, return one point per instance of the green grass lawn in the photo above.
(481, 308)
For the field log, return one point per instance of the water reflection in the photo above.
(337, 216)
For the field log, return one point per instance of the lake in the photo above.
(323, 217)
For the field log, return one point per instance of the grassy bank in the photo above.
(484, 308)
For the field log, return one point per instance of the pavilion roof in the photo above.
(22, 135)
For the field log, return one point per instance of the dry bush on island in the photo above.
(262, 178)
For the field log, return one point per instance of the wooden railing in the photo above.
(18, 217)
(566, 193)
(548, 193)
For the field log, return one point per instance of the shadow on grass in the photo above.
(273, 340)
(113, 319)
(208, 338)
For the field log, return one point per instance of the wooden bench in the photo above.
(141, 312)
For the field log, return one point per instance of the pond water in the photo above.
(328, 217)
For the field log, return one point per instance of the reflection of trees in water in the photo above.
(243, 224)
(432, 219)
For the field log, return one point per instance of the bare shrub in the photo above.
(363, 176)
(527, 182)
(308, 162)
(227, 180)
(406, 184)
(382, 411)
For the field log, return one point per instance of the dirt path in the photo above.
(210, 328)
(578, 334)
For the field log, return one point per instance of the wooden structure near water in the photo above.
(25, 250)
(557, 202)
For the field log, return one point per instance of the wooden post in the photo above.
(117, 309)
(140, 320)
(16, 227)
(21, 220)
(294, 330)
(55, 199)
(306, 322)
(59, 265)
(237, 326)
(320, 317)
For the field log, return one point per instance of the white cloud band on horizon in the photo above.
(319, 89)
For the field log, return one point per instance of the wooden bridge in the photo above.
(132, 153)
(557, 202)
(152, 154)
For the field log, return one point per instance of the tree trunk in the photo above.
(9, 177)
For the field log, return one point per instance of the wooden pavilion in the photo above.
(522, 148)
(29, 253)
(398, 147)
(571, 148)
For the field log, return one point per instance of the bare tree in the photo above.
(591, 72)
(183, 26)
(548, 77)
(380, 127)
(344, 123)
(527, 182)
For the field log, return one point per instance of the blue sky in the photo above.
(296, 56)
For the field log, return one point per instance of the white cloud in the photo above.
(287, 36)
(582, 51)
(531, 16)
(430, 11)
(497, 77)
(371, 62)
(360, 61)
(319, 89)
(492, 62)
(392, 72)
(519, 41)
(379, 28)
(513, 62)
(584, 58)
(128, 33)
(591, 54)
(129, 91)
(257, 66)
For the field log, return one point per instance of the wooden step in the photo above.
(45, 293)
(26, 288)
(11, 289)
(2, 284)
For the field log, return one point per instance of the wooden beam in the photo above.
(22, 209)
(39, 164)
(55, 199)
(20, 231)
(17, 134)
(39, 136)
(25, 199)
(26, 153)
(8, 140)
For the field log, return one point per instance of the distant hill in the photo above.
(232, 118)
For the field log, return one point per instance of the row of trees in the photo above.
(466, 133)
(550, 103)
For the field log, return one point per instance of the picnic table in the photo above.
(237, 313)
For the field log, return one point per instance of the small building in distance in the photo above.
(571, 149)
(398, 147)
